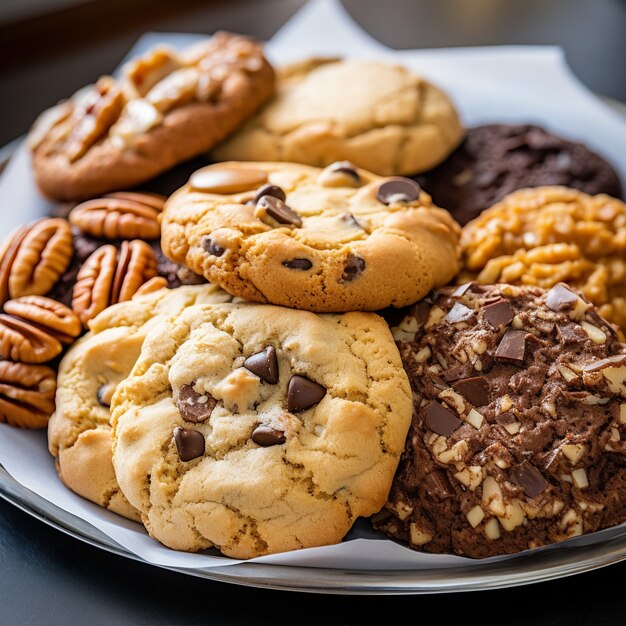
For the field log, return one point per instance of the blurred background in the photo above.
(50, 48)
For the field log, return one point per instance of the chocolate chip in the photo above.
(298, 264)
(264, 364)
(303, 393)
(475, 390)
(104, 394)
(212, 247)
(279, 211)
(560, 298)
(347, 168)
(189, 443)
(354, 266)
(270, 190)
(529, 478)
(512, 347)
(398, 190)
(194, 407)
(499, 313)
(266, 436)
(440, 420)
(458, 313)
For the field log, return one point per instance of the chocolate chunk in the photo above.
(512, 347)
(421, 312)
(279, 211)
(474, 390)
(347, 168)
(303, 393)
(499, 313)
(529, 478)
(354, 266)
(264, 364)
(270, 190)
(193, 406)
(560, 298)
(458, 313)
(298, 264)
(189, 443)
(266, 436)
(398, 190)
(437, 485)
(440, 420)
(212, 247)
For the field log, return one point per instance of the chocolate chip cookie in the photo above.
(258, 429)
(519, 409)
(496, 159)
(167, 107)
(79, 433)
(379, 116)
(338, 239)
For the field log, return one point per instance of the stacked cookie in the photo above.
(235, 390)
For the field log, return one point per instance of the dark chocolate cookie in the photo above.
(518, 416)
(496, 159)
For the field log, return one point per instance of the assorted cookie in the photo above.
(381, 117)
(497, 159)
(548, 235)
(79, 432)
(255, 428)
(258, 429)
(167, 107)
(519, 409)
(337, 239)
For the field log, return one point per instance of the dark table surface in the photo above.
(49, 578)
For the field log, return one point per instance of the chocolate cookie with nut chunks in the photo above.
(79, 433)
(519, 420)
(258, 429)
(337, 239)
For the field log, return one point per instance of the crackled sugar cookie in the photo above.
(519, 422)
(167, 107)
(79, 433)
(379, 116)
(338, 239)
(550, 234)
(258, 429)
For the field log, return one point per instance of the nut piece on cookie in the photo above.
(337, 239)
(274, 428)
(79, 433)
(516, 439)
(168, 107)
(374, 115)
(548, 235)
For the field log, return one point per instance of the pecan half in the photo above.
(104, 279)
(21, 341)
(154, 284)
(122, 215)
(26, 394)
(48, 315)
(34, 258)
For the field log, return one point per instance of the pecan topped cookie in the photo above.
(519, 422)
(337, 239)
(258, 429)
(167, 107)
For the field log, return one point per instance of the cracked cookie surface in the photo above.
(337, 239)
(79, 432)
(379, 116)
(519, 419)
(258, 429)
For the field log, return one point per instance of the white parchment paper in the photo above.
(496, 84)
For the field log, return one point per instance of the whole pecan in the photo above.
(21, 341)
(34, 257)
(122, 215)
(104, 279)
(26, 394)
(48, 315)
